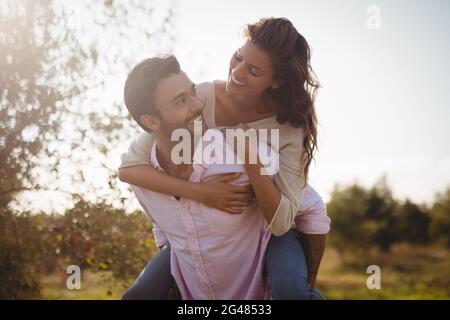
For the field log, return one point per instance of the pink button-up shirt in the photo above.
(214, 254)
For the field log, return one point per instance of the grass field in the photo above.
(406, 273)
(94, 286)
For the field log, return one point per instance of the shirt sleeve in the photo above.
(159, 235)
(138, 152)
(290, 181)
(312, 217)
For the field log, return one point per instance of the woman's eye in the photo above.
(254, 72)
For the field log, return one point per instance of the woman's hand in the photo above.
(219, 194)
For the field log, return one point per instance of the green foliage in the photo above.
(347, 210)
(49, 65)
(364, 218)
(412, 224)
(102, 238)
(32, 92)
(20, 245)
(55, 63)
(96, 237)
(107, 241)
(439, 229)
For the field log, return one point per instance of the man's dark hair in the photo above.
(141, 84)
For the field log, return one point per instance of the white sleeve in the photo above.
(290, 181)
(159, 235)
(138, 152)
(312, 217)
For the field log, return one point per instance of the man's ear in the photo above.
(150, 122)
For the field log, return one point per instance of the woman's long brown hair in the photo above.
(295, 97)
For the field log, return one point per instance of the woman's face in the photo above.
(250, 71)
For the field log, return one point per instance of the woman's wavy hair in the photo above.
(295, 97)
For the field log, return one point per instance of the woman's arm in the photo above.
(275, 204)
(267, 194)
(216, 192)
(278, 198)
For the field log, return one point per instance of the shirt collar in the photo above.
(198, 167)
(199, 164)
(153, 158)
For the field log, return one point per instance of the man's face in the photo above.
(178, 104)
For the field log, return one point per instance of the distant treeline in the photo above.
(363, 218)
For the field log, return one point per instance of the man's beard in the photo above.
(167, 129)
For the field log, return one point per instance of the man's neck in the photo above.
(164, 149)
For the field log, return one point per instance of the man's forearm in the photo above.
(314, 246)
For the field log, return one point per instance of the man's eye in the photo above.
(180, 101)
(237, 56)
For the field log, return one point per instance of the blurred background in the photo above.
(383, 165)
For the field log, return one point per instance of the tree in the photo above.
(52, 56)
(347, 209)
(413, 223)
(30, 55)
(382, 209)
(55, 59)
(363, 218)
(439, 228)
(101, 237)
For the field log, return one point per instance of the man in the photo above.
(214, 254)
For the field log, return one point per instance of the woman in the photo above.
(270, 85)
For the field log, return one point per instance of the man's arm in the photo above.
(314, 246)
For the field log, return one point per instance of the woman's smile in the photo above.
(235, 82)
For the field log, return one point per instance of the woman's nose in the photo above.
(196, 104)
(238, 72)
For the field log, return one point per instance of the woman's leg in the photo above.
(286, 268)
(155, 281)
